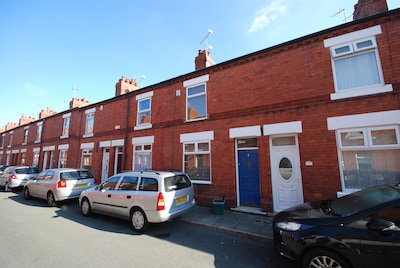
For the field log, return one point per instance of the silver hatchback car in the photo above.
(59, 184)
(141, 197)
(14, 177)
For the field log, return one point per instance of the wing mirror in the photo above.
(381, 225)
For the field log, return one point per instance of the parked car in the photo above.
(59, 184)
(14, 177)
(361, 229)
(2, 168)
(141, 197)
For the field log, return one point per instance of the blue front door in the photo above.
(249, 179)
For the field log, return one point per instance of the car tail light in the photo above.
(160, 202)
(61, 184)
(13, 177)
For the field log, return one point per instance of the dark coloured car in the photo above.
(361, 229)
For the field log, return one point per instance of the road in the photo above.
(34, 235)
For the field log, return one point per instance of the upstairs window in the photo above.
(39, 132)
(89, 123)
(196, 98)
(66, 123)
(11, 137)
(356, 64)
(143, 119)
(26, 131)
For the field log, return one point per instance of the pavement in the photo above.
(248, 225)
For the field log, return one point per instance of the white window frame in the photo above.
(89, 114)
(195, 82)
(197, 138)
(140, 98)
(351, 40)
(66, 126)
(10, 139)
(39, 132)
(142, 143)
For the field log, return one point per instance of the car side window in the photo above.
(148, 184)
(48, 176)
(40, 176)
(128, 183)
(111, 183)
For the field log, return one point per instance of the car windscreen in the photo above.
(359, 201)
(76, 175)
(176, 182)
(28, 170)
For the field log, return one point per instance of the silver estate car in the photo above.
(59, 184)
(14, 177)
(141, 197)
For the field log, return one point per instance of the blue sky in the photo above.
(49, 46)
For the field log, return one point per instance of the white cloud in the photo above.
(267, 14)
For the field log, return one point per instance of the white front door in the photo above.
(287, 188)
(105, 164)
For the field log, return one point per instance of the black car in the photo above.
(361, 229)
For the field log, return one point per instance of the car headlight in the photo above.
(289, 226)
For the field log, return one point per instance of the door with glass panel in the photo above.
(287, 189)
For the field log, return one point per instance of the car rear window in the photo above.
(28, 170)
(177, 182)
(76, 175)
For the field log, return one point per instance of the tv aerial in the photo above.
(341, 11)
(206, 39)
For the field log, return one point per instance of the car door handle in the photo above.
(109, 195)
(128, 197)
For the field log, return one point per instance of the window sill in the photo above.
(88, 135)
(349, 93)
(147, 126)
(64, 137)
(201, 182)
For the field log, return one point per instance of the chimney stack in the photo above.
(203, 60)
(366, 8)
(125, 85)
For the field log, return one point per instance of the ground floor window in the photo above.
(62, 161)
(23, 157)
(142, 155)
(87, 158)
(369, 156)
(35, 161)
(197, 161)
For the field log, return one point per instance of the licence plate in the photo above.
(181, 199)
(80, 185)
(23, 183)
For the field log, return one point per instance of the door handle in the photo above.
(109, 195)
(128, 197)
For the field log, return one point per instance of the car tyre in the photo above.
(139, 220)
(50, 199)
(86, 209)
(27, 195)
(324, 258)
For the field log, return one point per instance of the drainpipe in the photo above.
(126, 130)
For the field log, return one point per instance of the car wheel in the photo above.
(139, 220)
(26, 193)
(324, 258)
(50, 199)
(86, 210)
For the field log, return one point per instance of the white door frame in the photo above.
(105, 164)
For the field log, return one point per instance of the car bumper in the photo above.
(163, 216)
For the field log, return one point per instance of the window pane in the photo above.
(357, 71)
(247, 143)
(369, 168)
(196, 90)
(341, 50)
(364, 44)
(142, 161)
(352, 138)
(189, 147)
(198, 167)
(203, 147)
(144, 105)
(384, 137)
(282, 141)
(197, 107)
